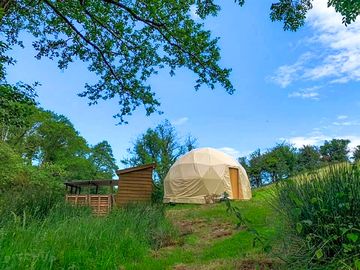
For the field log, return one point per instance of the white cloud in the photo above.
(343, 120)
(286, 74)
(307, 93)
(232, 152)
(180, 121)
(300, 141)
(354, 141)
(321, 138)
(346, 123)
(304, 95)
(334, 50)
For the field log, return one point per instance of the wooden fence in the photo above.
(100, 204)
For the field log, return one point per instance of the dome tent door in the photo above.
(234, 178)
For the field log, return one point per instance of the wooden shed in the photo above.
(135, 184)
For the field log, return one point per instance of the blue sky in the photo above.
(300, 87)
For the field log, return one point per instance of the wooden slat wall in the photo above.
(135, 186)
(100, 204)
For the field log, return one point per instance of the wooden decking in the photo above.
(100, 204)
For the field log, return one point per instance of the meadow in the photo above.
(307, 222)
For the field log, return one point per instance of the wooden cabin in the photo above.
(134, 185)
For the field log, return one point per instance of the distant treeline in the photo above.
(43, 138)
(285, 160)
(39, 150)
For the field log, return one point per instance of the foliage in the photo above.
(54, 139)
(126, 43)
(103, 159)
(73, 238)
(27, 190)
(293, 13)
(356, 154)
(45, 138)
(254, 167)
(335, 150)
(284, 160)
(308, 158)
(17, 104)
(323, 208)
(280, 162)
(39, 150)
(10, 165)
(162, 146)
(123, 43)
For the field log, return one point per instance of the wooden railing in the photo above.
(100, 204)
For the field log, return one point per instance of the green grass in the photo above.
(200, 249)
(141, 237)
(77, 240)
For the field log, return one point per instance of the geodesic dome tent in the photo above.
(205, 172)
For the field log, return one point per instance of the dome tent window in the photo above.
(205, 172)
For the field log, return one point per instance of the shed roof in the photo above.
(87, 183)
(134, 169)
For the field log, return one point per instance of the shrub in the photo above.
(323, 209)
(26, 190)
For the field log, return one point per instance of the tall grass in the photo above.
(71, 238)
(323, 209)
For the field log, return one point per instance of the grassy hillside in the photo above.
(203, 237)
(209, 238)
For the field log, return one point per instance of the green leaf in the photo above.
(319, 253)
(353, 237)
(357, 264)
(299, 227)
(313, 200)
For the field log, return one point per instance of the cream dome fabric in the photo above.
(202, 172)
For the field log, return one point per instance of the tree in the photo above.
(17, 103)
(356, 154)
(103, 159)
(335, 151)
(280, 162)
(124, 42)
(54, 139)
(254, 167)
(161, 145)
(308, 158)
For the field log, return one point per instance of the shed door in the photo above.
(234, 178)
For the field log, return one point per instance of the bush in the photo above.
(323, 209)
(26, 190)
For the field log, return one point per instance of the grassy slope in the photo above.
(123, 240)
(210, 239)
